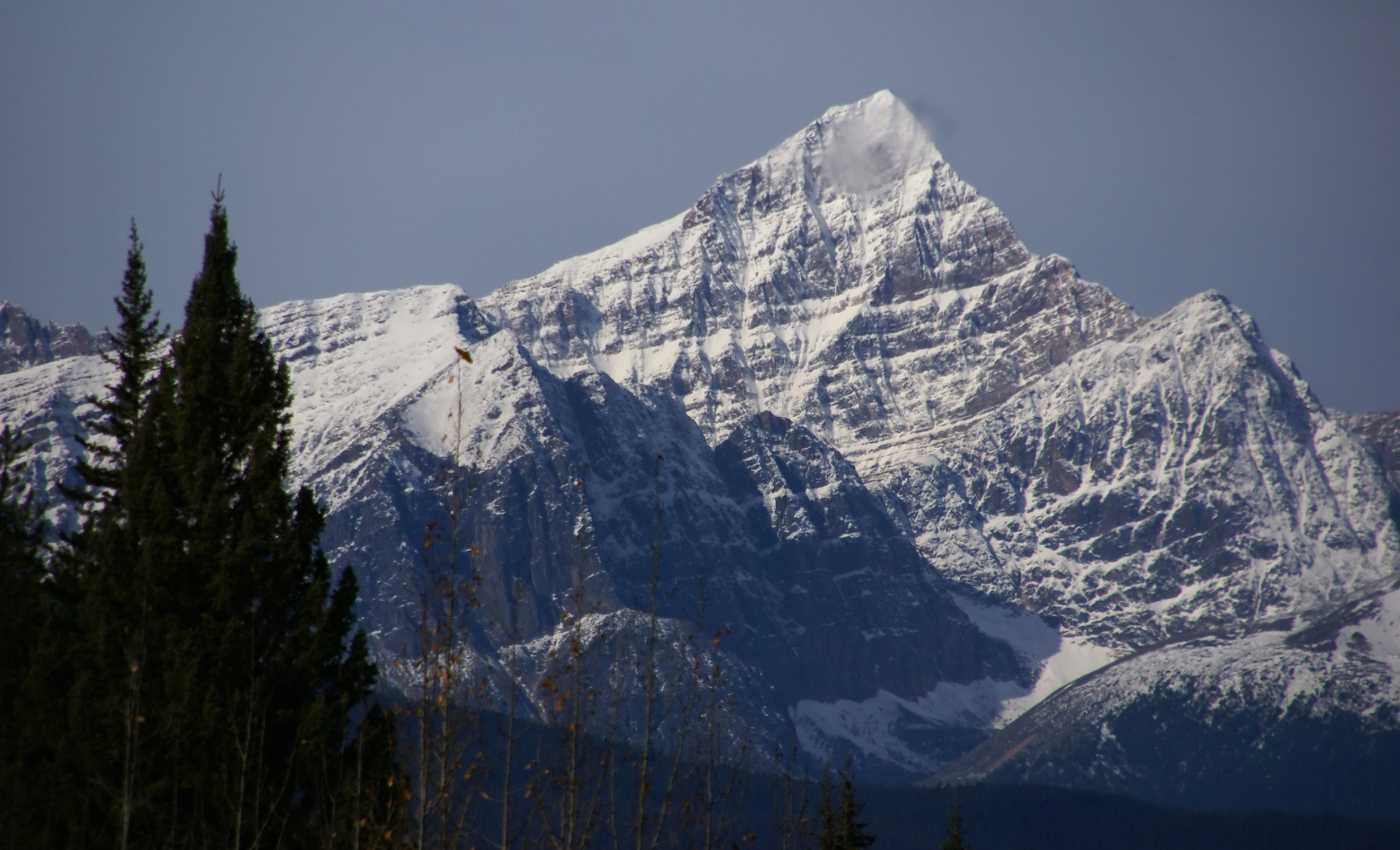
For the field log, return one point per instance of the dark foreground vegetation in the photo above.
(184, 670)
(782, 808)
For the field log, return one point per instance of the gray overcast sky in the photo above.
(1165, 148)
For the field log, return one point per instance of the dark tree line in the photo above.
(183, 671)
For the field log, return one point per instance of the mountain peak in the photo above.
(884, 109)
(790, 263)
(860, 147)
(1206, 313)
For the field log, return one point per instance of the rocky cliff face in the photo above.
(916, 476)
(1381, 432)
(1179, 479)
(25, 341)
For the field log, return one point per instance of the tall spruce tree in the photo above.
(113, 608)
(136, 345)
(854, 833)
(841, 826)
(263, 666)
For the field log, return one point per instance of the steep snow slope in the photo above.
(356, 358)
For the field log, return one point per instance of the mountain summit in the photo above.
(794, 283)
(867, 147)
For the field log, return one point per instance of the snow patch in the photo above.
(1057, 659)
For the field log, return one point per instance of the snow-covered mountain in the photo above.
(26, 341)
(1303, 713)
(771, 534)
(851, 281)
(923, 476)
(1179, 479)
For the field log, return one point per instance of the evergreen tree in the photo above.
(853, 832)
(262, 666)
(112, 638)
(136, 345)
(841, 826)
(954, 839)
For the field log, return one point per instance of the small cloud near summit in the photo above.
(875, 142)
(937, 121)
